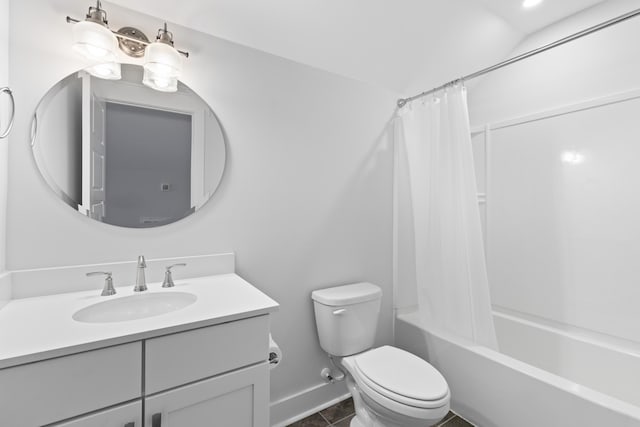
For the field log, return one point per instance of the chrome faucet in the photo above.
(141, 283)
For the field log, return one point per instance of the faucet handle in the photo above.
(98, 273)
(141, 262)
(168, 279)
(108, 282)
(180, 264)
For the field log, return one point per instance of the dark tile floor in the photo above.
(340, 414)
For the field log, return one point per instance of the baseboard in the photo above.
(297, 406)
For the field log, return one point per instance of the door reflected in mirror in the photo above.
(126, 155)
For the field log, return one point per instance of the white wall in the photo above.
(405, 46)
(305, 202)
(563, 238)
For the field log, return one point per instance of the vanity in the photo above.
(202, 364)
(196, 354)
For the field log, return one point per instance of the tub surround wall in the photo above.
(5, 288)
(4, 143)
(565, 248)
(578, 220)
(305, 201)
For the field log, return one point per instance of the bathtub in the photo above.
(548, 377)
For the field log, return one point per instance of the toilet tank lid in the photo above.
(347, 294)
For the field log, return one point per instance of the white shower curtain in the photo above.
(450, 268)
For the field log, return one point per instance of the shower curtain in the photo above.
(435, 151)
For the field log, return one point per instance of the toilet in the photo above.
(389, 386)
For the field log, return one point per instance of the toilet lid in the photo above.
(402, 373)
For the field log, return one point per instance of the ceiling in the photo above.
(531, 20)
(402, 45)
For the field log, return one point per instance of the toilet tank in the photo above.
(347, 317)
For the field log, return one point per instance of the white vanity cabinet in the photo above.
(204, 364)
(207, 376)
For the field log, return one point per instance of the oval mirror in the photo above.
(124, 154)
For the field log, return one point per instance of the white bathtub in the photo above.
(492, 389)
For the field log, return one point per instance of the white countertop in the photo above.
(33, 329)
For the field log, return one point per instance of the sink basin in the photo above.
(134, 307)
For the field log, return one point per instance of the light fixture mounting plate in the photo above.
(128, 44)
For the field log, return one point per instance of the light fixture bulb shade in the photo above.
(159, 82)
(107, 71)
(94, 41)
(162, 60)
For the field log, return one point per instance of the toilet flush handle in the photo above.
(339, 311)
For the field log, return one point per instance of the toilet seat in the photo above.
(399, 380)
(373, 398)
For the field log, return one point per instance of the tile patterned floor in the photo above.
(340, 414)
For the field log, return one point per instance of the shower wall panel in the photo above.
(563, 216)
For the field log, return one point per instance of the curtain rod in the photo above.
(403, 101)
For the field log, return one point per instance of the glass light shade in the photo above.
(107, 70)
(94, 41)
(162, 60)
(159, 82)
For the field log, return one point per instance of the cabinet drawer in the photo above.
(189, 356)
(121, 416)
(56, 389)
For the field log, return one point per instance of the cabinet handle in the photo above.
(131, 424)
(156, 420)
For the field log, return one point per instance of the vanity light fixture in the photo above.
(93, 39)
(162, 63)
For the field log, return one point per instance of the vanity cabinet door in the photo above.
(122, 416)
(235, 399)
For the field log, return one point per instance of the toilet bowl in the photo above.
(390, 387)
(397, 388)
